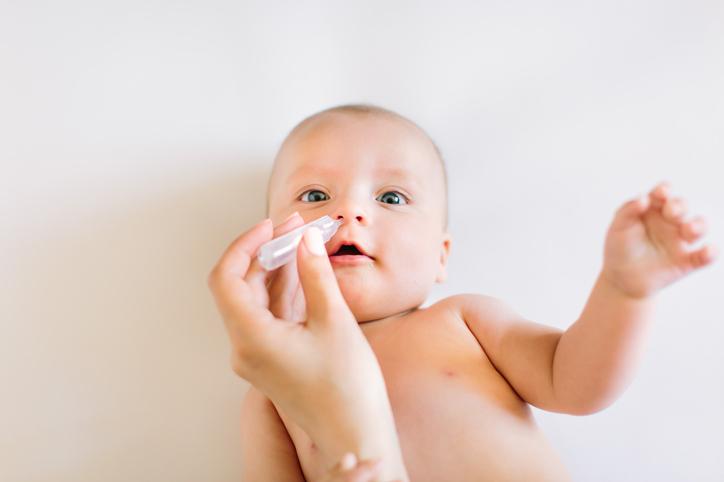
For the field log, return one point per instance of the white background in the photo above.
(136, 141)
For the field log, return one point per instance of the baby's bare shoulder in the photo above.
(485, 316)
(463, 318)
(467, 305)
(471, 314)
(520, 349)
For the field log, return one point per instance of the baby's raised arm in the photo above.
(646, 249)
(584, 369)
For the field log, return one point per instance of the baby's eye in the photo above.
(316, 196)
(396, 197)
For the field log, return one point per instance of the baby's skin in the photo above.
(461, 374)
(456, 415)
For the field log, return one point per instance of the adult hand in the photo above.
(285, 295)
(321, 372)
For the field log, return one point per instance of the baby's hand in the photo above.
(350, 470)
(647, 244)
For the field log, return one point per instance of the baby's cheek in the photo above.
(410, 265)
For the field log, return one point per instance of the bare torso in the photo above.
(457, 417)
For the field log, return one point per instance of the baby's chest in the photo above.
(435, 369)
(451, 407)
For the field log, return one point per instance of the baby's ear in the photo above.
(444, 253)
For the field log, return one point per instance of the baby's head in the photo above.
(382, 175)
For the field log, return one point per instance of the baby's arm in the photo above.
(647, 248)
(584, 369)
(267, 451)
(520, 350)
(596, 358)
(579, 371)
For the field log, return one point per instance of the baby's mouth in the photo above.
(349, 253)
(348, 249)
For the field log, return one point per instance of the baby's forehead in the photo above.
(350, 140)
(328, 122)
(355, 144)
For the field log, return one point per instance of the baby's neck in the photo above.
(390, 317)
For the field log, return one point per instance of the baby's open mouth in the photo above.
(347, 249)
(349, 254)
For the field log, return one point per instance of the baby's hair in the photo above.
(375, 110)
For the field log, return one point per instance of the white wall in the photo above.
(136, 141)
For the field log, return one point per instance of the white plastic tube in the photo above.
(280, 251)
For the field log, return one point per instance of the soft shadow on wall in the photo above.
(117, 356)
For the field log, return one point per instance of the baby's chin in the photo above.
(366, 314)
(370, 303)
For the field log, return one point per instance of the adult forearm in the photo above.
(597, 356)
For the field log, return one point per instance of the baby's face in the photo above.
(382, 177)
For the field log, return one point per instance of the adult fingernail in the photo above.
(313, 240)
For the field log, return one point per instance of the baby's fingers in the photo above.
(693, 229)
(703, 256)
(674, 209)
(350, 470)
(659, 194)
(630, 213)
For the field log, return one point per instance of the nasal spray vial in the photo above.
(280, 251)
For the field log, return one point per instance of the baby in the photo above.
(462, 373)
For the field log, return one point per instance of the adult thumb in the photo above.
(321, 291)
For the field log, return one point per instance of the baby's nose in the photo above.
(358, 217)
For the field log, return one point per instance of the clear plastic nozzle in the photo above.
(280, 251)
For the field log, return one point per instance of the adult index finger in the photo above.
(237, 257)
(232, 295)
